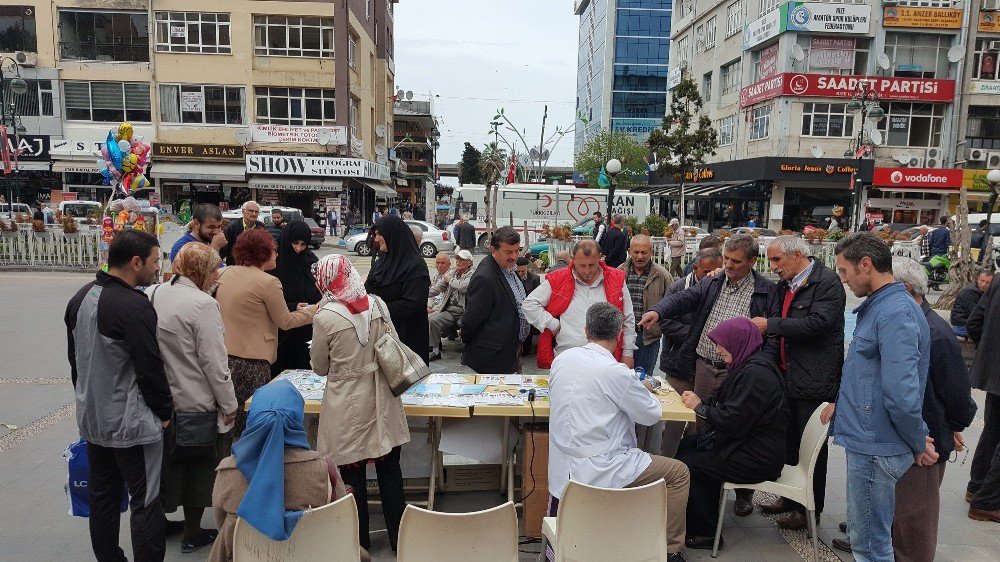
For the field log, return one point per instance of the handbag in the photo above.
(400, 366)
(195, 429)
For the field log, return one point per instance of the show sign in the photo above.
(267, 164)
(823, 17)
(940, 178)
(839, 86)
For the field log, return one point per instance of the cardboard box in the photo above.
(471, 477)
(534, 478)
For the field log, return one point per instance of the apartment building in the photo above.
(778, 79)
(285, 102)
(415, 144)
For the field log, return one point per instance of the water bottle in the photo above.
(640, 373)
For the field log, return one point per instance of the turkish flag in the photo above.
(512, 170)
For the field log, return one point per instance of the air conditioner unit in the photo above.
(993, 159)
(27, 59)
(976, 155)
(934, 153)
(932, 163)
(994, 46)
(915, 163)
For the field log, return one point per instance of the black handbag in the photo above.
(195, 429)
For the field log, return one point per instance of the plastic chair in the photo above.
(324, 533)
(795, 482)
(602, 524)
(480, 536)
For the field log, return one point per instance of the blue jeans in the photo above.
(871, 503)
(645, 356)
(650, 438)
(960, 331)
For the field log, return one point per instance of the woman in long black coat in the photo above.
(741, 432)
(294, 270)
(400, 277)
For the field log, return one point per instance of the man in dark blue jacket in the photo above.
(941, 238)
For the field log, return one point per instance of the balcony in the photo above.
(410, 137)
(103, 52)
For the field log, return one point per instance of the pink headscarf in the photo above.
(740, 337)
(337, 279)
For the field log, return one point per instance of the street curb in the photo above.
(30, 269)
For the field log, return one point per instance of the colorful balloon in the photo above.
(114, 152)
(125, 132)
(139, 181)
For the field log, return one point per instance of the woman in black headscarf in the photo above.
(400, 277)
(294, 270)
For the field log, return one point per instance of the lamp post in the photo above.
(865, 102)
(613, 168)
(8, 116)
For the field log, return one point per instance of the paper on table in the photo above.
(446, 378)
(467, 389)
(477, 438)
(425, 388)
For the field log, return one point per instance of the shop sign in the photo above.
(33, 147)
(831, 52)
(69, 195)
(823, 17)
(768, 62)
(704, 173)
(765, 27)
(938, 18)
(638, 129)
(295, 134)
(975, 180)
(903, 204)
(674, 77)
(322, 166)
(984, 87)
(815, 168)
(73, 147)
(763, 90)
(941, 178)
(174, 151)
(989, 22)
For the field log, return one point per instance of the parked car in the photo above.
(19, 208)
(317, 231)
(357, 242)
(434, 240)
(290, 214)
(79, 210)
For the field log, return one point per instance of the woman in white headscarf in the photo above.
(361, 421)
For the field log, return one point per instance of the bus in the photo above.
(538, 205)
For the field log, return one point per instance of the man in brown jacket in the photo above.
(647, 283)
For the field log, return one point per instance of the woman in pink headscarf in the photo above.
(361, 421)
(741, 432)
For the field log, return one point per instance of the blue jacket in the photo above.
(940, 240)
(885, 375)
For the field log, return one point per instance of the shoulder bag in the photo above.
(400, 366)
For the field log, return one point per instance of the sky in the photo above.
(475, 56)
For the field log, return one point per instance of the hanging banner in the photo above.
(768, 62)
(824, 17)
(765, 27)
(830, 52)
(939, 18)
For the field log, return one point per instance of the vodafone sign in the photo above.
(837, 86)
(949, 178)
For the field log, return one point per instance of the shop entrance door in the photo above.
(300, 201)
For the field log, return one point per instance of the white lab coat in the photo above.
(595, 403)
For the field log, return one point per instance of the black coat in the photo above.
(675, 333)
(531, 282)
(965, 301)
(698, 301)
(465, 236)
(490, 322)
(614, 246)
(750, 415)
(814, 335)
(407, 305)
(948, 404)
(233, 232)
(984, 329)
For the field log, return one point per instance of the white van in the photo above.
(22, 208)
(79, 210)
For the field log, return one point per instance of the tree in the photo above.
(679, 145)
(963, 269)
(494, 163)
(470, 170)
(606, 145)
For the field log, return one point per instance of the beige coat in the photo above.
(253, 308)
(361, 419)
(192, 343)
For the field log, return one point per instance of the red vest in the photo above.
(563, 285)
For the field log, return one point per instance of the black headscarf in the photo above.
(402, 260)
(295, 270)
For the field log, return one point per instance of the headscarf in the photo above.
(337, 279)
(196, 261)
(295, 270)
(401, 261)
(740, 337)
(274, 422)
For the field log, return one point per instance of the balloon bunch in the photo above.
(123, 160)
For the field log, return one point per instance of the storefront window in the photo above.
(918, 55)
(17, 29)
(984, 62)
(760, 120)
(827, 120)
(912, 124)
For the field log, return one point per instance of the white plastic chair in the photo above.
(324, 533)
(481, 536)
(602, 524)
(795, 482)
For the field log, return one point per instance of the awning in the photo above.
(380, 189)
(76, 166)
(690, 189)
(293, 183)
(198, 171)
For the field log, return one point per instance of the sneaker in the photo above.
(841, 544)
(206, 538)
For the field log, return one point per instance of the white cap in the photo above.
(464, 255)
(674, 221)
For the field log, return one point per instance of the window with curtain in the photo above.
(201, 104)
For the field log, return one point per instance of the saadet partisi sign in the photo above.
(765, 27)
(268, 164)
(822, 17)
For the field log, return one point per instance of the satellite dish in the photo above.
(400, 94)
(381, 159)
(380, 150)
(380, 130)
(883, 61)
(325, 137)
(903, 157)
(797, 53)
(243, 136)
(816, 151)
(956, 53)
(876, 136)
(409, 95)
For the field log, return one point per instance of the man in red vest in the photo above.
(558, 307)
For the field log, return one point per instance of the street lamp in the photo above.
(993, 177)
(8, 115)
(613, 168)
(865, 102)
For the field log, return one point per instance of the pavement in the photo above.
(37, 423)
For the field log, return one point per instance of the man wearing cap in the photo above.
(677, 247)
(453, 287)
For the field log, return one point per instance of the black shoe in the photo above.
(206, 538)
(841, 544)
(434, 355)
(676, 557)
(174, 527)
(743, 507)
(843, 526)
(702, 543)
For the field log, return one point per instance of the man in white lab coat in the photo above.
(595, 403)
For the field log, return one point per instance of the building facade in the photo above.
(778, 79)
(284, 102)
(622, 66)
(415, 144)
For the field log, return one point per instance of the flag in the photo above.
(602, 178)
(5, 150)
(512, 170)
